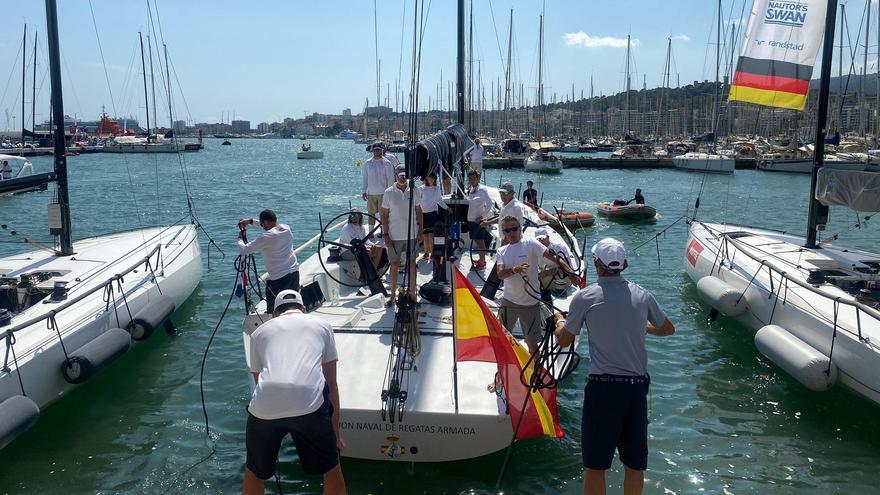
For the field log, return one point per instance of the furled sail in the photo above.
(779, 49)
(442, 149)
(860, 191)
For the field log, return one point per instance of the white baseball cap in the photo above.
(610, 252)
(541, 232)
(288, 296)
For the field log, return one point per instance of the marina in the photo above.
(471, 303)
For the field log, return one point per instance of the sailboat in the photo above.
(709, 161)
(70, 312)
(540, 160)
(406, 396)
(814, 305)
(23, 180)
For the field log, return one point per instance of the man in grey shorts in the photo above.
(378, 175)
(402, 222)
(517, 264)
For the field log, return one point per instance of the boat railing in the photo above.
(145, 260)
(837, 301)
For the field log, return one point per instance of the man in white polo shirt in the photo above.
(477, 156)
(402, 221)
(276, 244)
(378, 175)
(293, 359)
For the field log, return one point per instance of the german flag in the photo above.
(773, 83)
(480, 337)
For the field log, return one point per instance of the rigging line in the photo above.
(11, 73)
(101, 52)
(497, 39)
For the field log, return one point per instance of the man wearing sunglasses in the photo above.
(276, 244)
(403, 222)
(517, 264)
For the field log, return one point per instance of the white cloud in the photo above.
(583, 39)
(681, 37)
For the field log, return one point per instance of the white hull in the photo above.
(309, 155)
(803, 313)
(543, 165)
(804, 166)
(40, 356)
(705, 162)
(166, 147)
(431, 430)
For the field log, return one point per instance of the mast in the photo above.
(730, 78)
(146, 97)
(459, 76)
(840, 69)
(168, 78)
(470, 70)
(507, 75)
(663, 87)
(34, 90)
(152, 79)
(23, 69)
(541, 80)
(818, 213)
(60, 157)
(626, 105)
(863, 117)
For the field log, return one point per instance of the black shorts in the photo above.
(478, 233)
(312, 434)
(615, 416)
(274, 287)
(430, 219)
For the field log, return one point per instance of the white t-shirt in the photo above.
(512, 209)
(378, 175)
(276, 244)
(479, 202)
(397, 202)
(391, 158)
(288, 352)
(477, 154)
(432, 200)
(525, 251)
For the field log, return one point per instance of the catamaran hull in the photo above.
(803, 314)
(40, 355)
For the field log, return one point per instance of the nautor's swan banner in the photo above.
(778, 52)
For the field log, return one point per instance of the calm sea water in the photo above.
(724, 420)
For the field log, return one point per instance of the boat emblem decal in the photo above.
(693, 252)
(393, 449)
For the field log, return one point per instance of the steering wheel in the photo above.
(357, 246)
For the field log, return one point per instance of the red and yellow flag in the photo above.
(480, 337)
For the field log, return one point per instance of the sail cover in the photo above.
(860, 191)
(778, 52)
(442, 149)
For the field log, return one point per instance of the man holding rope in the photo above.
(517, 264)
(617, 314)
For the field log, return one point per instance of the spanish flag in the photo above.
(480, 337)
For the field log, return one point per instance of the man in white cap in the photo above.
(403, 223)
(378, 175)
(617, 314)
(553, 278)
(517, 265)
(293, 359)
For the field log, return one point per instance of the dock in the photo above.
(647, 162)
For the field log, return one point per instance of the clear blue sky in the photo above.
(266, 60)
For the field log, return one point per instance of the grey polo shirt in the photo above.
(615, 312)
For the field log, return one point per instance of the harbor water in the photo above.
(723, 419)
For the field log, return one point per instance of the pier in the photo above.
(650, 162)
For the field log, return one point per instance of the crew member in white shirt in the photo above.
(477, 156)
(518, 263)
(354, 229)
(276, 244)
(6, 171)
(553, 278)
(510, 207)
(293, 359)
(479, 204)
(403, 230)
(391, 157)
(378, 175)
(431, 203)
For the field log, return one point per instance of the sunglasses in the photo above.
(511, 230)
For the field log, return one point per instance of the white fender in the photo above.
(799, 359)
(721, 296)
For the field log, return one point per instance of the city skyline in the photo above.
(273, 60)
